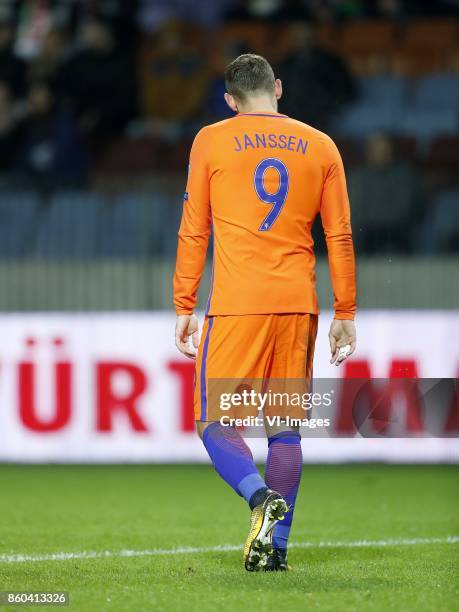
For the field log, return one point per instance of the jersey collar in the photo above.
(262, 114)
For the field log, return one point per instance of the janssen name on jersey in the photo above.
(270, 141)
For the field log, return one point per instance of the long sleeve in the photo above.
(193, 236)
(336, 221)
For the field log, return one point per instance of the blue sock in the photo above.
(233, 460)
(283, 474)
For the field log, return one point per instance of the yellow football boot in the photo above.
(258, 546)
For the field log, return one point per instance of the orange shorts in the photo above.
(277, 346)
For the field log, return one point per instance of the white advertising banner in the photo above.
(113, 388)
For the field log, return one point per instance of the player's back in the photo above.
(266, 175)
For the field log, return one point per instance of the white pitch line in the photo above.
(107, 554)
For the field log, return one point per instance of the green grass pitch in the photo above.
(51, 509)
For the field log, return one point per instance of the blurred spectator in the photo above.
(336, 10)
(273, 11)
(48, 63)
(388, 9)
(154, 14)
(35, 20)
(81, 59)
(387, 201)
(437, 8)
(119, 15)
(174, 80)
(100, 81)
(9, 133)
(317, 83)
(216, 108)
(398, 10)
(12, 69)
(51, 150)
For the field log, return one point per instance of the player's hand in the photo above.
(342, 339)
(186, 326)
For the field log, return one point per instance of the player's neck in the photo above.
(258, 105)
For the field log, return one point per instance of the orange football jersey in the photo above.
(259, 180)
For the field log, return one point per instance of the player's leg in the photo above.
(229, 453)
(285, 458)
(283, 474)
(233, 460)
(223, 354)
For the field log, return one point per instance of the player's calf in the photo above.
(283, 474)
(233, 460)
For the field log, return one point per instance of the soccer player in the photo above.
(258, 180)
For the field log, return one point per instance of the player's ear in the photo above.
(278, 88)
(231, 102)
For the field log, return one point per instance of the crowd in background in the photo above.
(80, 82)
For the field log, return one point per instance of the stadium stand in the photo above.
(67, 226)
(18, 218)
(387, 71)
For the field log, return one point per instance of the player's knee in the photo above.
(201, 426)
(281, 430)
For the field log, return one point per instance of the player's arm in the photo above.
(336, 221)
(193, 238)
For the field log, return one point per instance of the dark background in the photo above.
(100, 100)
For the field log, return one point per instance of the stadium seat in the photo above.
(415, 63)
(18, 216)
(168, 220)
(381, 99)
(383, 91)
(245, 36)
(427, 45)
(425, 125)
(125, 227)
(364, 119)
(141, 223)
(440, 231)
(433, 35)
(68, 226)
(437, 91)
(374, 35)
(367, 46)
